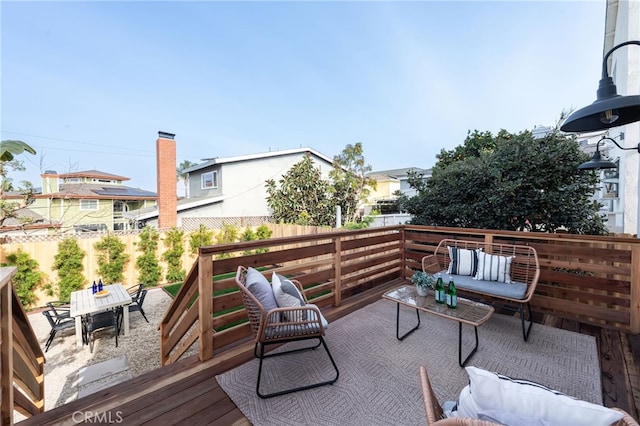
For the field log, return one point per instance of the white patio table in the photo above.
(85, 302)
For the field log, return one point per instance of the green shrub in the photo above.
(147, 263)
(68, 264)
(27, 277)
(200, 238)
(111, 259)
(228, 234)
(264, 233)
(248, 235)
(174, 242)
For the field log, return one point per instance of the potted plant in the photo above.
(423, 282)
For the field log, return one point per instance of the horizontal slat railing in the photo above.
(586, 278)
(366, 257)
(21, 358)
(591, 279)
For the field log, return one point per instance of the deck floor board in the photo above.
(186, 392)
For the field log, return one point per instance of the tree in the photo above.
(510, 182)
(199, 238)
(111, 258)
(68, 263)
(174, 242)
(147, 263)
(303, 197)
(350, 182)
(27, 278)
(182, 176)
(10, 206)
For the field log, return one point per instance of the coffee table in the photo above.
(467, 312)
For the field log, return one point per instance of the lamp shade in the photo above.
(609, 110)
(597, 162)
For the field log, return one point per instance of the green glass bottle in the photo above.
(452, 295)
(440, 293)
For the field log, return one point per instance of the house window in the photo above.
(210, 180)
(88, 204)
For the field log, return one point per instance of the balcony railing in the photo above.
(590, 279)
(21, 359)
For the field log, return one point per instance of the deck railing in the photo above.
(590, 279)
(21, 359)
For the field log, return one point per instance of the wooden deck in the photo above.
(186, 392)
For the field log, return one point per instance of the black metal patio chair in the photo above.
(92, 323)
(58, 321)
(137, 293)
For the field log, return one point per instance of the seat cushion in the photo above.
(513, 290)
(501, 398)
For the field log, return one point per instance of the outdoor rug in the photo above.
(379, 380)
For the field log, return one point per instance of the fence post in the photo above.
(205, 306)
(6, 351)
(337, 261)
(634, 296)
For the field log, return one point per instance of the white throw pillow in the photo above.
(489, 394)
(287, 296)
(493, 268)
(462, 261)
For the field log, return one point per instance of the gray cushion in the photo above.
(259, 286)
(513, 290)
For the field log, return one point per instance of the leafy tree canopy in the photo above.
(305, 198)
(351, 186)
(9, 206)
(509, 182)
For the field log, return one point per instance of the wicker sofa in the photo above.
(503, 272)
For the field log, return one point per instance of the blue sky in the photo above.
(89, 84)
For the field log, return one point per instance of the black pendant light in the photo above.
(597, 162)
(609, 109)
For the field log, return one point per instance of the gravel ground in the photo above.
(64, 359)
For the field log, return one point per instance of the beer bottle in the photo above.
(100, 284)
(440, 289)
(452, 295)
(94, 288)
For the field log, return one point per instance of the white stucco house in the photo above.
(233, 189)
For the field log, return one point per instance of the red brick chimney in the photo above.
(167, 182)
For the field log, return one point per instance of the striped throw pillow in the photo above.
(493, 268)
(462, 261)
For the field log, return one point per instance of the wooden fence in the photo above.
(43, 249)
(590, 279)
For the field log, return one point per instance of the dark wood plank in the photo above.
(615, 382)
(631, 344)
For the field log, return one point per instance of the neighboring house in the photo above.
(234, 187)
(391, 181)
(88, 201)
(384, 198)
(27, 222)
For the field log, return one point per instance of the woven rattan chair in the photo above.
(435, 414)
(269, 329)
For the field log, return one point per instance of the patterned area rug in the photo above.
(379, 382)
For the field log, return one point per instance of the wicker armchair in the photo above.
(271, 328)
(435, 414)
